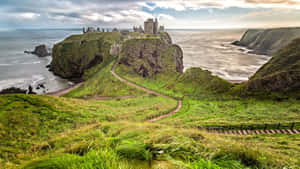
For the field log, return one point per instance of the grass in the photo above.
(206, 100)
(51, 132)
(193, 83)
(236, 112)
(142, 146)
(27, 119)
(102, 83)
(45, 132)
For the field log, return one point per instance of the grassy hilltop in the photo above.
(103, 123)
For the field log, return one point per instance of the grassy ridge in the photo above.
(194, 83)
(207, 100)
(100, 82)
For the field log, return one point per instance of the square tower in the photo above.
(149, 26)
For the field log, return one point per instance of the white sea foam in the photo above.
(31, 63)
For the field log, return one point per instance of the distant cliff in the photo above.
(281, 73)
(268, 41)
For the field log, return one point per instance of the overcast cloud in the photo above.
(172, 13)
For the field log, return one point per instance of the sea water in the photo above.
(212, 50)
(18, 69)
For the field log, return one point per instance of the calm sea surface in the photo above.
(208, 49)
(212, 50)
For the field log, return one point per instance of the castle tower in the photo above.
(149, 26)
(155, 26)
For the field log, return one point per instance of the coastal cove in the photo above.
(207, 49)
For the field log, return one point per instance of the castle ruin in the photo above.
(151, 26)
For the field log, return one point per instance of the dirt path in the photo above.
(65, 91)
(107, 98)
(179, 103)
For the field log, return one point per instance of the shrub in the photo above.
(134, 151)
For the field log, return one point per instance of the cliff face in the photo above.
(268, 41)
(281, 73)
(146, 54)
(152, 55)
(78, 53)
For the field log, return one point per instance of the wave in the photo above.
(6, 64)
(31, 63)
(22, 83)
(16, 63)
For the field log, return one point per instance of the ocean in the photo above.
(212, 50)
(18, 69)
(208, 49)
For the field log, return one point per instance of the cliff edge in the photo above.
(78, 53)
(151, 55)
(268, 41)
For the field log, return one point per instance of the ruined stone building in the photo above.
(151, 26)
(161, 28)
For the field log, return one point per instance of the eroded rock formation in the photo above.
(78, 53)
(150, 56)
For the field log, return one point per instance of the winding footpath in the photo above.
(179, 105)
(148, 91)
(179, 102)
(65, 91)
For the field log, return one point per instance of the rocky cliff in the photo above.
(268, 41)
(151, 55)
(281, 73)
(78, 53)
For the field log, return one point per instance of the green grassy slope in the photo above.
(193, 83)
(102, 83)
(28, 119)
(208, 101)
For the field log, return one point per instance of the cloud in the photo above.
(29, 15)
(181, 5)
(121, 13)
(165, 17)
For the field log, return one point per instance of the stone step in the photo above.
(296, 131)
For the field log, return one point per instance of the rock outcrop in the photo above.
(268, 41)
(14, 90)
(166, 37)
(152, 55)
(78, 53)
(40, 51)
(281, 73)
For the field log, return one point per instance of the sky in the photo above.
(174, 14)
